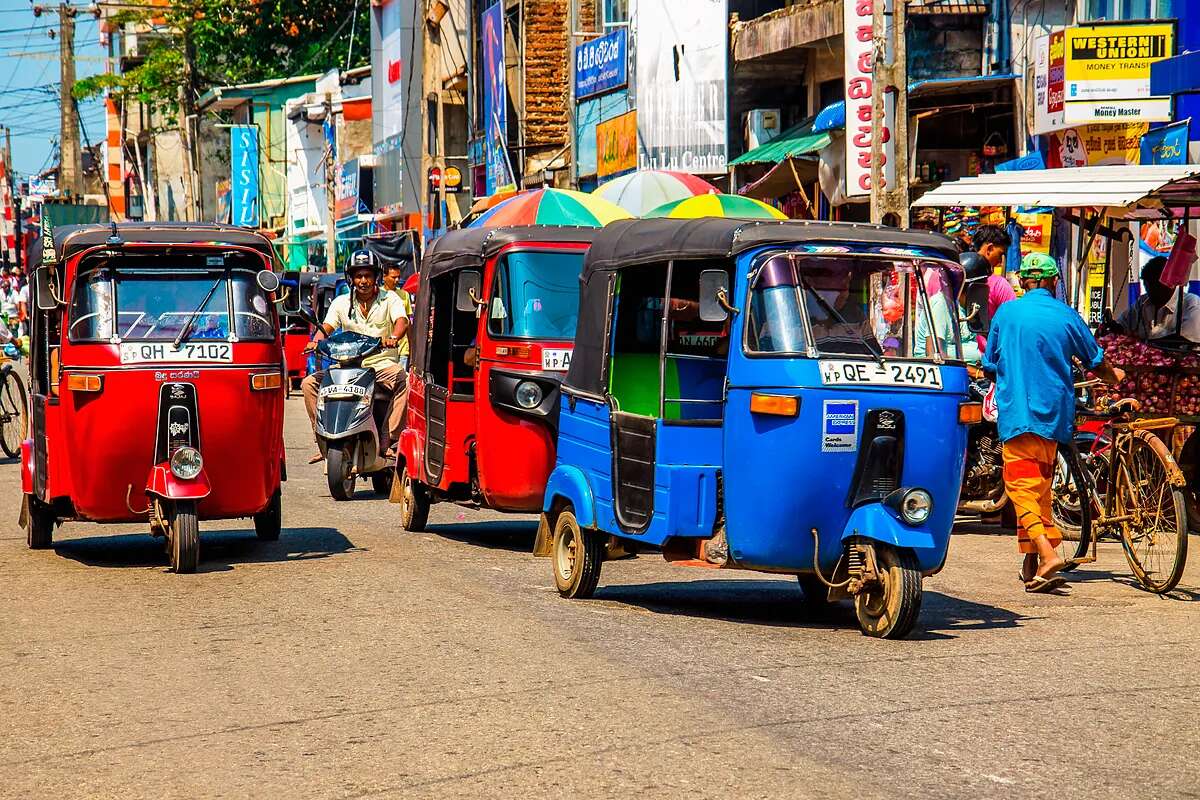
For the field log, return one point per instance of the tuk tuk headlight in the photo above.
(529, 394)
(915, 506)
(186, 463)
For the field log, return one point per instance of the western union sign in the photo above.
(1106, 72)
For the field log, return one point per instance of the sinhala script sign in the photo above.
(860, 125)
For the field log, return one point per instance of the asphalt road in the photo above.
(351, 659)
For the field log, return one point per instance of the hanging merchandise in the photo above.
(1179, 263)
(994, 146)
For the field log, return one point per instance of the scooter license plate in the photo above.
(556, 360)
(871, 373)
(149, 352)
(343, 390)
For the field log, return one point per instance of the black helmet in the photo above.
(362, 259)
(975, 267)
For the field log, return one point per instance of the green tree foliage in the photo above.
(231, 41)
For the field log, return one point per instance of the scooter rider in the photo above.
(371, 312)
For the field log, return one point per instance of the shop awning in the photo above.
(788, 176)
(833, 116)
(1123, 190)
(796, 141)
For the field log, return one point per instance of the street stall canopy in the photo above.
(1128, 192)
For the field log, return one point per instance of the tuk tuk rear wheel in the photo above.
(889, 609)
(269, 521)
(414, 503)
(39, 525)
(183, 537)
(577, 555)
(338, 471)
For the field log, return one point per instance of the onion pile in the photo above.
(1161, 381)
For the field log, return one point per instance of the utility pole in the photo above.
(70, 167)
(191, 195)
(890, 203)
(330, 187)
(13, 196)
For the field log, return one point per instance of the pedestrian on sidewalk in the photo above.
(1033, 344)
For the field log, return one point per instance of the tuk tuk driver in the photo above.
(372, 312)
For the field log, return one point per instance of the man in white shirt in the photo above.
(371, 312)
(1162, 311)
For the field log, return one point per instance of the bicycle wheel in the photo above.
(1155, 540)
(1070, 506)
(13, 419)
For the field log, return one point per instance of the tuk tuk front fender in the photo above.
(163, 483)
(874, 521)
(570, 484)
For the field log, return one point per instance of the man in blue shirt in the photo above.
(1031, 348)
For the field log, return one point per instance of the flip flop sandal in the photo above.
(317, 459)
(1040, 585)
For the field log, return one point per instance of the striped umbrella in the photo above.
(552, 207)
(639, 192)
(717, 205)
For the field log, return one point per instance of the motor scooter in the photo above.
(351, 410)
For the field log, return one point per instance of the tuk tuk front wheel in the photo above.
(338, 471)
(414, 503)
(269, 521)
(889, 608)
(183, 537)
(577, 555)
(39, 525)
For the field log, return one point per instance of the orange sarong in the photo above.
(1028, 468)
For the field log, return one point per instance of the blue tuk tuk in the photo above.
(785, 397)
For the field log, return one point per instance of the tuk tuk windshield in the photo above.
(155, 304)
(853, 305)
(536, 295)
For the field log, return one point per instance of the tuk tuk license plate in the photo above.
(556, 360)
(149, 352)
(870, 373)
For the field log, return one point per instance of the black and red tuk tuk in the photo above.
(494, 329)
(157, 377)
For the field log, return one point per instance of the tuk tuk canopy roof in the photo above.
(633, 243)
(470, 248)
(72, 239)
(1131, 191)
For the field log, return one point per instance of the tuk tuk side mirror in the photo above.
(290, 302)
(714, 295)
(48, 298)
(267, 280)
(468, 291)
(305, 312)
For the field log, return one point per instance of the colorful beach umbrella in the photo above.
(552, 207)
(642, 191)
(492, 200)
(717, 205)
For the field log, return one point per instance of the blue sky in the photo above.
(29, 72)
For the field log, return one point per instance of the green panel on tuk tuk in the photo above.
(633, 381)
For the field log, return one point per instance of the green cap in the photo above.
(1038, 266)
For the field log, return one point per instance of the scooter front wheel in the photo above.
(338, 468)
(889, 609)
(183, 537)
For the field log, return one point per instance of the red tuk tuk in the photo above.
(157, 382)
(494, 330)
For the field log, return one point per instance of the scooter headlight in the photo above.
(529, 394)
(186, 463)
(915, 506)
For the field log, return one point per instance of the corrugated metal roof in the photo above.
(796, 141)
(1118, 188)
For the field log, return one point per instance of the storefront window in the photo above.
(1128, 9)
(615, 11)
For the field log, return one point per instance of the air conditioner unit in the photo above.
(760, 126)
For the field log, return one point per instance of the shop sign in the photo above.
(861, 129)
(345, 192)
(602, 65)
(1106, 71)
(1048, 84)
(243, 162)
(452, 177)
(1096, 145)
(495, 100)
(616, 145)
(682, 65)
(1035, 235)
(1166, 145)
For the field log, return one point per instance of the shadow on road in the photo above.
(219, 550)
(512, 535)
(779, 604)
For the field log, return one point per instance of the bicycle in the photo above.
(1134, 491)
(14, 405)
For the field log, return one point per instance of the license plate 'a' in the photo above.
(556, 360)
(872, 373)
